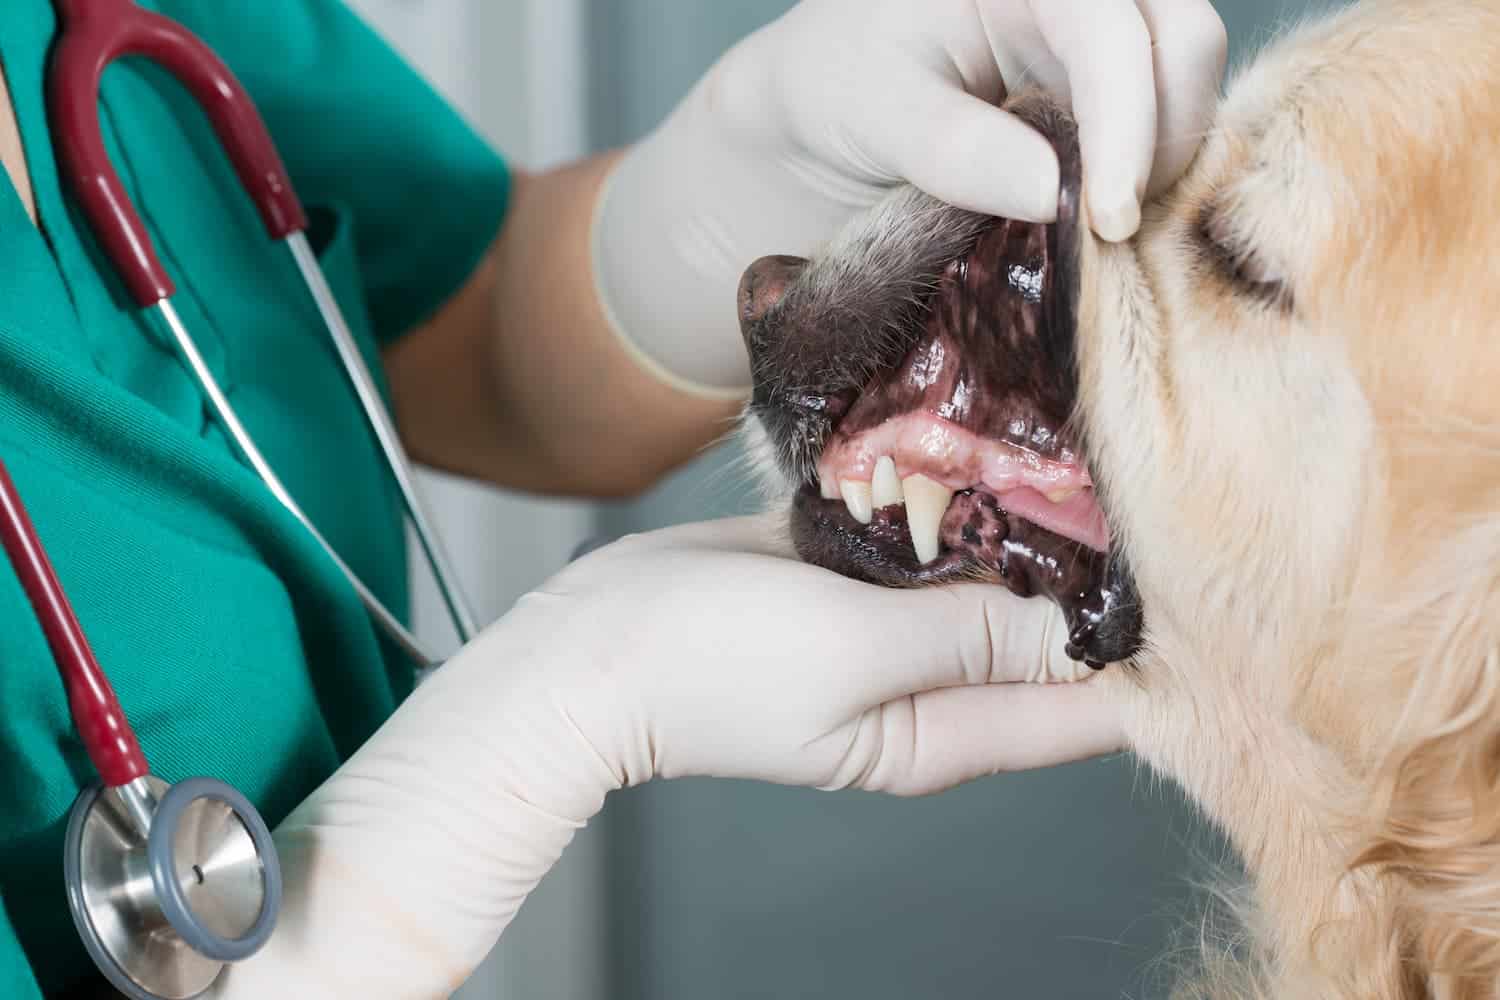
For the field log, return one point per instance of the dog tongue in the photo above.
(1078, 518)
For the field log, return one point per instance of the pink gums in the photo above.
(922, 443)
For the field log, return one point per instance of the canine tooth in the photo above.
(859, 498)
(926, 503)
(1063, 493)
(886, 486)
(829, 488)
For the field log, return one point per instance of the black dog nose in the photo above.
(765, 283)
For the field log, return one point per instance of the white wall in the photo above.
(515, 68)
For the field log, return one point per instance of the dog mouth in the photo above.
(920, 386)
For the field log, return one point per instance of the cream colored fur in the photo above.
(1309, 494)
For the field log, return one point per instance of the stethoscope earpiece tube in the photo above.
(94, 34)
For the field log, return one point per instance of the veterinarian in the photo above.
(566, 333)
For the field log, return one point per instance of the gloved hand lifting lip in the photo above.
(825, 110)
(919, 383)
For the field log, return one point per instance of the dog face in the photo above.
(1283, 399)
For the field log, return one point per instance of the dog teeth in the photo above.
(1063, 493)
(859, 498)
(829, 488)
(886, 485)
(925, 500)
(926, 503)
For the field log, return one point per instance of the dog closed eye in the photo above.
(1237, 261)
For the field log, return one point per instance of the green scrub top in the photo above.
(236, 647)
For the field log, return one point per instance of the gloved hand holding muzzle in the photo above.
(705, 650)
(820, 113)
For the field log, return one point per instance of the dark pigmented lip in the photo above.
(1090, 586)
(879, 552)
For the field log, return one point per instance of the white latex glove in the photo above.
(819, 113)
(703, 650)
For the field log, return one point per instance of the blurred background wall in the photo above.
(1058, 885)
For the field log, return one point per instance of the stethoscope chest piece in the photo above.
(162, 914)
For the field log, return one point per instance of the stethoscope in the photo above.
(167, 884)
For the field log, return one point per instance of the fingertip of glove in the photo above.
(1001, 167)
(1115, 217)
(1044, 190)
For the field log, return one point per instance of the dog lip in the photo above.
(826, 534)
(996, 547)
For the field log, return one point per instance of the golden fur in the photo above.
(1309, 492)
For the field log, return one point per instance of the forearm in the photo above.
(403, 869)
(522, 381)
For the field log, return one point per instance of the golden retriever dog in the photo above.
(1254, 455)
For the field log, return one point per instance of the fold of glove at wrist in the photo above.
(403, 869)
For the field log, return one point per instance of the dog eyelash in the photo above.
(1240, 265)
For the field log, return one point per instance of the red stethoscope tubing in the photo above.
(101, 723)
(96, 32)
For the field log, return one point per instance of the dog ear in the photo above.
(1435, 837)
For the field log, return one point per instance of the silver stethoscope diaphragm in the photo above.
(162, 914)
